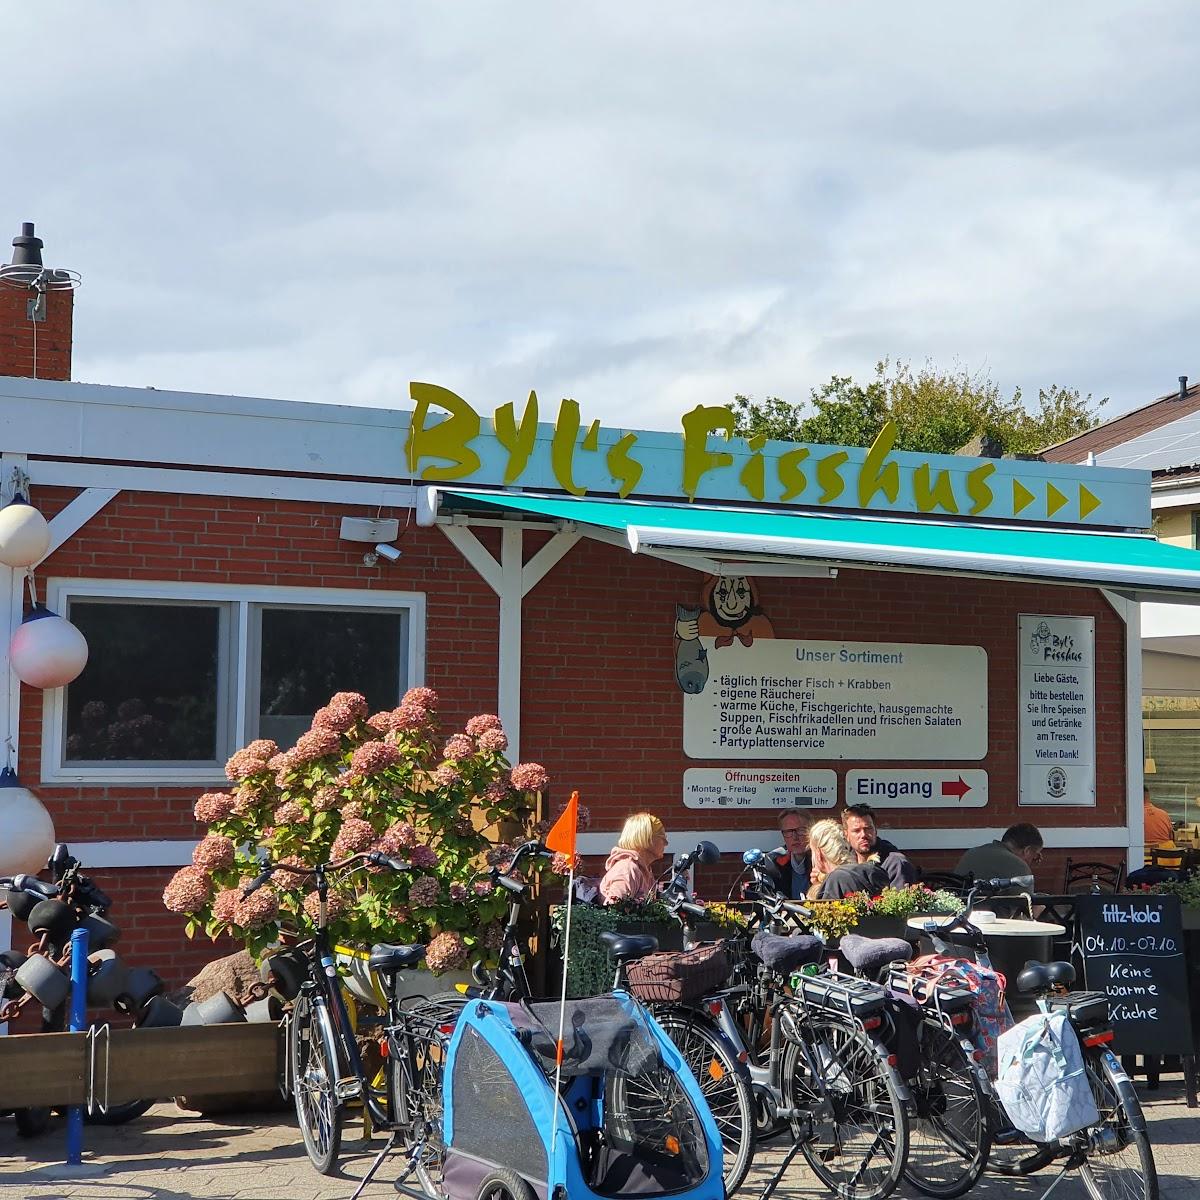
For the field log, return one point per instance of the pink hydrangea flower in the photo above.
(225, 905)
(277, 762)
(288, 813)
(188, 891)
(497, 792)
(353, 811)
(244, 764)
(341, 712)
(424, 891)
(354, 836)
(493, 741)
(529, 777)
(372, 757)
(314, 744)
(258, 909)
(335, 905)
(446, 952)
(459, 746)
(213, 853)
(213, 806)
(540, 828)
(458, 892)
(400, 913)
(326, 800)
(410, 717)
(447, 775)
(425, 697)
(483, 723)
(383, 722)
(563, 864)
(244, 800)
(498, 854)
(424, 857)
(262, 748)
(290, 880)
(483, 887)
(397, 838)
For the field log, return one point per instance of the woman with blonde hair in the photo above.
(836, 871)
(628, 873)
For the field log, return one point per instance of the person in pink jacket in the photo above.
(629, 873)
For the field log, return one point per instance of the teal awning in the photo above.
(703, 536)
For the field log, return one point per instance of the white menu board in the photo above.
(784, 699)
(1056, 710)
(758, 787)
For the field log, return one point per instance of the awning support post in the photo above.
(1130, 612)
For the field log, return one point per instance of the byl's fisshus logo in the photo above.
(1056, 782)
(1054, 647)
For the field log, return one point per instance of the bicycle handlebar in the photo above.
(365, 856)
(30, 885)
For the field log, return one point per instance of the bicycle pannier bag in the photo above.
(1041, 1079)
(678, 976)
(987, 985)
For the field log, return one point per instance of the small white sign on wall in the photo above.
(915, 787)
(1056, 710)
(758, 787)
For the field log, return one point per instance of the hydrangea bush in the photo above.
(355, 781)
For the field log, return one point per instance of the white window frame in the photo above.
(240, 598)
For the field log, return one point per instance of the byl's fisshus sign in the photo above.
(447, 441)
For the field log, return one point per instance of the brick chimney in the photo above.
(36, 312)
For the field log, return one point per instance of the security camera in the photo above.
(388, 553)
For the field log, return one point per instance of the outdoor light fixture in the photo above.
(382, 550)
(47, 651)
(26, 831)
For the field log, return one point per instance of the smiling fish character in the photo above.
(691, 658)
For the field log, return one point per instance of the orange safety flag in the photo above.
(561, 837)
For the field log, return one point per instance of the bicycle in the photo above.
(1113, 1156)
(814, 1052)
(324, 1063)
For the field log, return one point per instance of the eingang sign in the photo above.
(708, 463)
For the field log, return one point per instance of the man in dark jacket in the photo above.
(858, 824)
(793, 858)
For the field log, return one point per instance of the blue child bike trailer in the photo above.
(631, 1119)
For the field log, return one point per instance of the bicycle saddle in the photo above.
(1034, 977)
(868, 956)
(1060, 974)
(785, 954)
(387, 959)
(625, 947)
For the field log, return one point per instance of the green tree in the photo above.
(935, 412)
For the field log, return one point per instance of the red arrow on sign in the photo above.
(955, 787)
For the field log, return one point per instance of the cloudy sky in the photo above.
(641, 206)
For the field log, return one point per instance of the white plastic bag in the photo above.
(1041, 1080)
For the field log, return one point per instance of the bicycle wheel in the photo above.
(850, 1119)
(725, 1084)
(949, 1135)
(312, 1051)
(1119, 1163)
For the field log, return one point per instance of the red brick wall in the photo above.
(600, 705)
(53, 335)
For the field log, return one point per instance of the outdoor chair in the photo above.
(1170, 858)
(947, 881)
(1093, 877)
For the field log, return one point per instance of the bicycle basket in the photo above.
(679, 976)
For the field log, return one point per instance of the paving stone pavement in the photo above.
(170, 1154)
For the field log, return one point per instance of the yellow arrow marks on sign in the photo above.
(1022, 496)
(1054, 499)
(1087, 502)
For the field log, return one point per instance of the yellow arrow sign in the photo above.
(1087, 502)
(1054, 499)
(1022, 496)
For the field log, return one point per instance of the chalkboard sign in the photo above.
(1132, 949)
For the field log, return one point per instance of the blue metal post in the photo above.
(79, 975)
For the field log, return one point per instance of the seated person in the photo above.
(858, 824)
(1159, 832)
(629, 871)
(835, 869)
(1013, 857)
(793, 858)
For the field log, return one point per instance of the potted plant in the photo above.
(355, 781)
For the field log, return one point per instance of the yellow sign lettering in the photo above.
(518, 440)
(876, 475)
(977, 486)
(829, 478)
(930, 495)
(562, 447)
(698, 459)
(754, 474)
(624, 469)
(447, 439)
(791, 474)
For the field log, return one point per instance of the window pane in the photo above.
(149, 690)
(308, 654)
(1172, 748)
